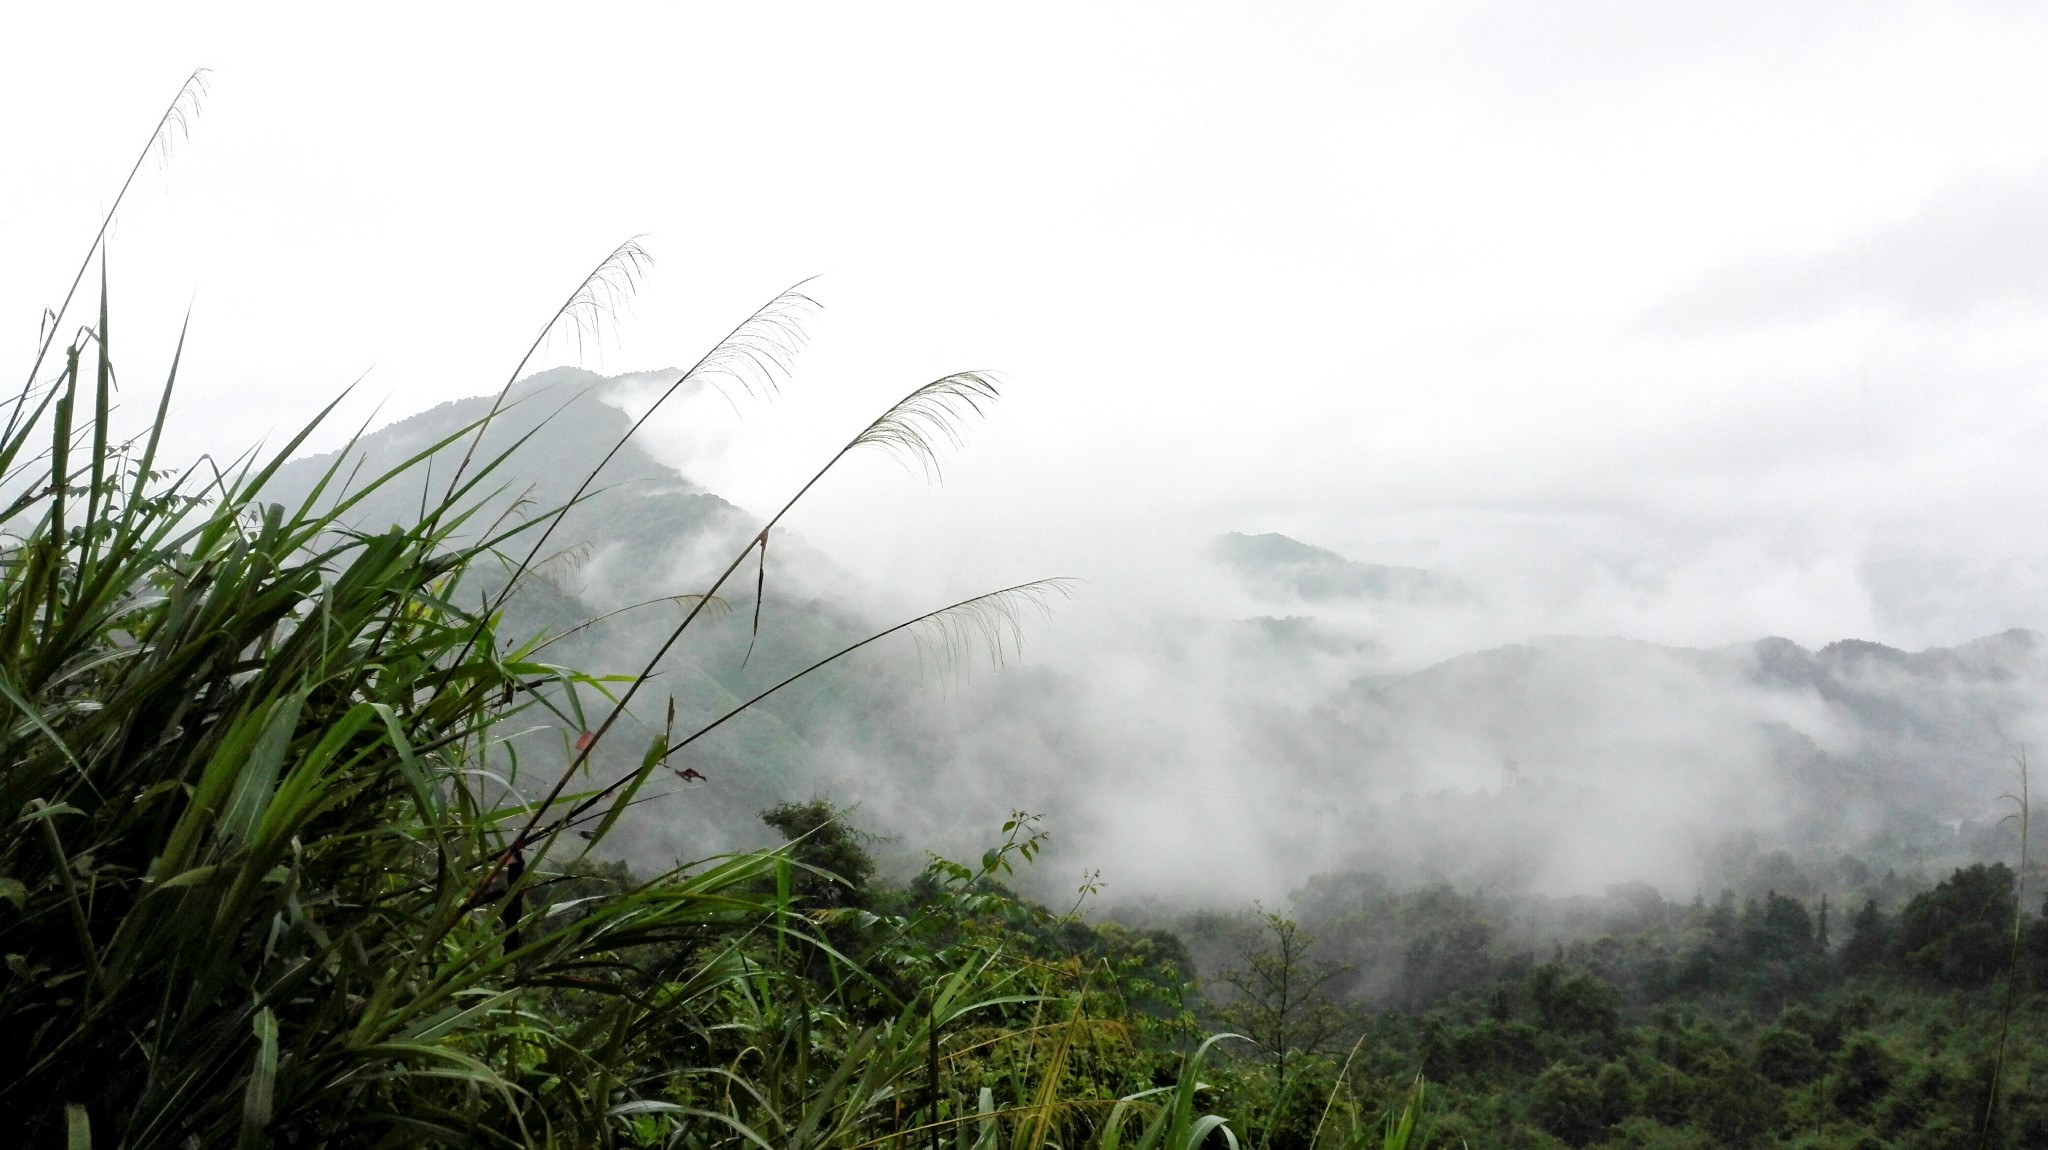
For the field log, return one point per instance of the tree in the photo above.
(834, 874)
(1281, 1002)
(821, 839)
(1789, 1057)
(1566, 1103)
(1449, 948)
(1869, 939)
(1573, 1002)
(1720, 922)
(1865, 1074)
(1737, 1105)
(1667, 1096)
(1619, 1097)
(1785, 931)
(1960, 932)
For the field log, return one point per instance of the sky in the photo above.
(1691, 322)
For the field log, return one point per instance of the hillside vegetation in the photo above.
(311, 830)
(303, 824)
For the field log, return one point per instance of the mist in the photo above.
(1663, 350)
(1239, 714)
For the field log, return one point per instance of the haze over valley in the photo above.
(1115, 576)
(1283, 721)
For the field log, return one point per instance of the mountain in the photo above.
(1590, 754)
(1937, 720)
(1277, 567)
(1236, 755)
(644, 534)
(643, 520)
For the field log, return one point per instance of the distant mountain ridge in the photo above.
(1274, 564)
(1847, 745)
(2003, 655)
(1880, 687)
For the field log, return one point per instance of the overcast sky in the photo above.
(1692, 322)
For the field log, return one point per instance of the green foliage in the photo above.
(1573, 1002)
(1871, 939)
(839, 868)
(287, 868)
(1566, 1102)
(1864, 1074)
(1723, 1024)
(1959, 932)
(1736, 1104)
(1281, 1001)
(1788, 1057)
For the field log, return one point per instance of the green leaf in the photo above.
(12, 890)
(258, 778)
(256, 1098)
(77, 1127)
(36, 719)
(193, 877)
(408, 762)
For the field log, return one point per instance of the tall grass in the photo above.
(248, 756)
(267, 882)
